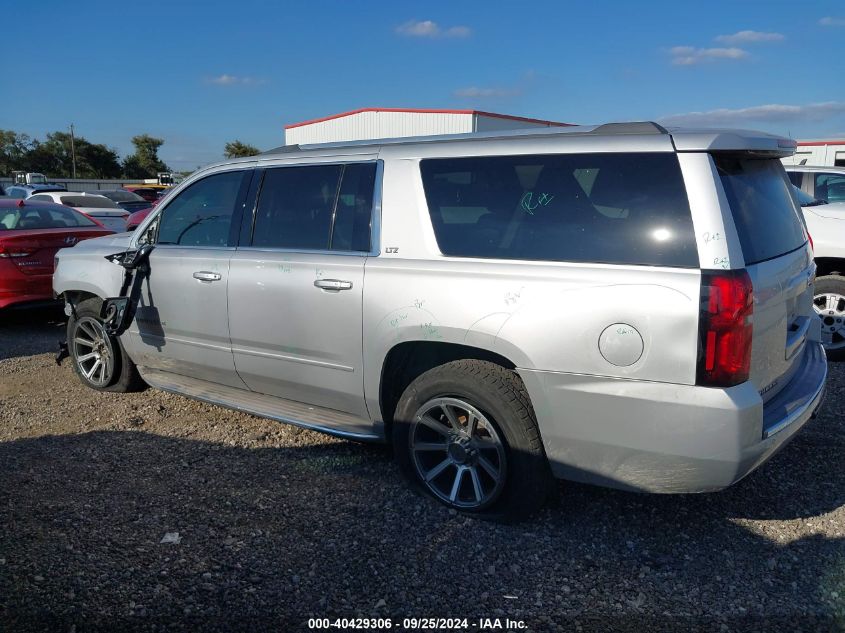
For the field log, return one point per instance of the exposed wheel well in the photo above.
(408, 360)
(75, 297)
(829, 266)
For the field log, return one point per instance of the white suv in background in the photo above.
(826, 226)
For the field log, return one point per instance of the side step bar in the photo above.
(315, 418)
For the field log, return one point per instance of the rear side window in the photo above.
(609, 208)
(763, 209)
(316, 207)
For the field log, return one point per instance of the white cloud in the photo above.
(771, 113)
(474, 92)
(234, 80)
(749, 37)
(831, 21)
(690, 56)
(427, 28)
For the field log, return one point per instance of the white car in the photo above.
(826, 226)
(97, 207)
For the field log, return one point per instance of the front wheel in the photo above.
(829, 304)
(98, 358)
(465, 434)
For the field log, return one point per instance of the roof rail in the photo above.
(634, 127)
(282, 149)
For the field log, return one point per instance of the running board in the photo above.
(315, 418)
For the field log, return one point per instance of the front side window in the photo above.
(315, 207)
(201, 215)
(830, 187)
(607, 208)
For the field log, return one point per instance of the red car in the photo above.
(30, 235)
(136, 218)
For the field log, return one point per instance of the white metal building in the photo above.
(371, 123)
(824, 153)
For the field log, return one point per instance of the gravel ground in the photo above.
(276, 525)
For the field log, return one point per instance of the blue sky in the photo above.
(201, 73)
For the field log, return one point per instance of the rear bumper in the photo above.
(658, 437)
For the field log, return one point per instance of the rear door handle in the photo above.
(204, 275)
(333, 284)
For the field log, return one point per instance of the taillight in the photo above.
(810, 237)
(6, 251)
(727, 303)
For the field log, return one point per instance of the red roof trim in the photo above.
(429, 111)
(818, 143)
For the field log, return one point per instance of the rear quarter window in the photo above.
(629, 208)
(763, 209)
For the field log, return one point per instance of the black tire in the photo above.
(832, 285)
(499, 395)
(122, 375)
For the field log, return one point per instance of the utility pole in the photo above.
(72, 151)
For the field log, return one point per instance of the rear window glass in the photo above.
(122, 196)
(31, 217)
(91, 202)
(764, 212)
(627, 208)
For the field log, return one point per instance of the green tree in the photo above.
(54, 157)
(13, 150)
(236, 149)
(144, 163)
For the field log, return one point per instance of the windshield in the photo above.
(31, 217)
(90, 202)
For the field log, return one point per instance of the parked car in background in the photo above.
(25, 191)
(134, 220)
(127, 200)
(826, 225)
(623, 305)
(150, 193)
(822, 183)
(100, 208)
(30, 234)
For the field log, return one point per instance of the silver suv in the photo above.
(623, 305)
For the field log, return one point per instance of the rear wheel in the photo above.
(98, 358)
(829, 303)
(465, 434)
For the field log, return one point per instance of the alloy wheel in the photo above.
(458, 453)
(830, 307)
(93, 352)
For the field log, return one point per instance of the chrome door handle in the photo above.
(204, 275)
(333, 284)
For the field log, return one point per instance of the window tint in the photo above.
(315, 207)
(295, 207)
(610, 208)
(764, 212)
(201, 215)
(795, 178)
(91, 202)
(830, 187)
(351, 231)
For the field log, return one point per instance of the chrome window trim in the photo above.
(300, 251)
